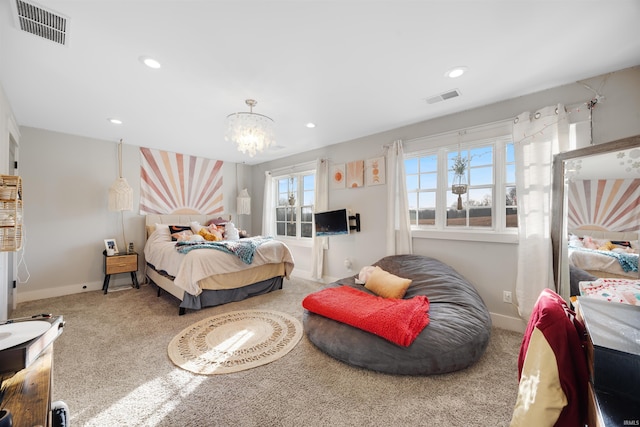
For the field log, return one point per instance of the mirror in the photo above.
(576, 171)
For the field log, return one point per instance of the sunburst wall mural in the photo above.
(172, 183)
(604, 204)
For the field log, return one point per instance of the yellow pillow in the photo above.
(208, 235)
(387, 285)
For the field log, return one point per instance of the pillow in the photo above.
(180, 232)
(217, 221)
(196, 238)
(161, 227)
(212, 236)
(195, 226)
(364, 274)
(386, 285)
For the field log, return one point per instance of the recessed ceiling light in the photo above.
(115, 121)
(310, 125)
(150, 62)
(456, 72)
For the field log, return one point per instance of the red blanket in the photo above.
(397, 320)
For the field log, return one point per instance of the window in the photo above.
(422, 185)
(477, 210)
(489, 178)
(294, 208)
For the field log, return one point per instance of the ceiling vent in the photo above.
(453, 93)
(41, 22)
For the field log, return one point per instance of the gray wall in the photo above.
(66, 179)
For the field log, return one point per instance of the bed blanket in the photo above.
(188, 269)
(397, 320)
(244, 249)
(628, 262)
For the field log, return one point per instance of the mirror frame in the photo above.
(557, 198)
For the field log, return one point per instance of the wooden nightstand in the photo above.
(126, 262)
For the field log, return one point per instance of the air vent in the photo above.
(443, 96)
(41, 22)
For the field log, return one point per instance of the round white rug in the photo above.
(235, 341)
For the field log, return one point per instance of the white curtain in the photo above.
(268, 210)
(398, 225)
(321, 203)
(537, 138)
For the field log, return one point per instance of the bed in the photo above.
(589, 251)
(206, 277)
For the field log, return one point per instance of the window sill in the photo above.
(473, 236)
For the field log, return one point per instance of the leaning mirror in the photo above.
(596, 202)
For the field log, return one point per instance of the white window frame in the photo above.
(498, 135)
(298, 174)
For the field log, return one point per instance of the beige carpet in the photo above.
(235, 341)
(111, 367)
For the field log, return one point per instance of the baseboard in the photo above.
(509, 323)
(32, 295)
(304, 274)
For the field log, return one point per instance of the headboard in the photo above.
(604, 234)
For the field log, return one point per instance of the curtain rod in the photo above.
(568, 107)
(453, 131)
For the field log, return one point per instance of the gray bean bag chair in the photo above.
(455, 338)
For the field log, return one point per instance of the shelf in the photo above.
(11, 233)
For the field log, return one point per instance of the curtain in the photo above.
(398, 225)
(321, 203)
(268, 210)
(537, 138)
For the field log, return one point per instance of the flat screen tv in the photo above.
(331, 223)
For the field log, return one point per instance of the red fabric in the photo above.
(565, 335)
(397, 320)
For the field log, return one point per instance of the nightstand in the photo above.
(123, 262)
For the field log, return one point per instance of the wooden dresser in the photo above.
(613, 358)
(27, 393)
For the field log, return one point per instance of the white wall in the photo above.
(489, 266)
(66, 180)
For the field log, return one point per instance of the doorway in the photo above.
(12, 169)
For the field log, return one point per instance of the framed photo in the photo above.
(337, 176)
(375, 171)
(111, 244)
(355, 174)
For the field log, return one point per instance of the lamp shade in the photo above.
(243, 202)
(120, 196)
(251, 132)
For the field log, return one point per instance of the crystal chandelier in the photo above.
(250, 131)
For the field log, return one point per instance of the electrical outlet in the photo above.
(506, 297)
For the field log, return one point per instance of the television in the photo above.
(331, 223)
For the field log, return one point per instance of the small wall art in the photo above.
(375, 171)
(355, 174)
(337, 176)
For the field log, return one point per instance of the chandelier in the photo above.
(250, 131)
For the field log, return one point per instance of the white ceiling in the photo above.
(353, 67)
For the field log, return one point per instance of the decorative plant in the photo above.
(459, 165)
(459, 186)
